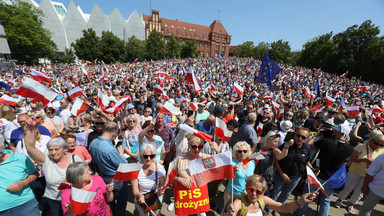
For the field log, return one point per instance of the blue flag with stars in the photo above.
(269, 70)
(317, 88)
(338, 178)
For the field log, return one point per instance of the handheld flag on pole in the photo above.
(338, 178)
(80, 200)
(269, 70)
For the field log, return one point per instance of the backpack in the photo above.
(244, 205)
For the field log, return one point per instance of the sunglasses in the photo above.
(49, 113)
(251, 190)
(197, 147)
(99, 123)
(36, 117)
(131, 121)
(242, 151)
(147, 156)
(151, 131)
(378, 144)
(301, 136)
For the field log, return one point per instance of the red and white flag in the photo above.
(307, 91)
(85, 71)
(222, 131)
(102, 100)
(238, 89)
(344, 74)
(136, 60)
(75, 92)
(364, 88)
(255, 156)
(191, 77)
(193, 106)
(259, 129)
(127, 172)
(33, 89)
(280, 114)
(159, 89)
(197, 133)
(11, 82)
(172, 173)
(255, 94)
(159, 73)
(80, 200)
(318, 108)
(79, 107)
(329, 100)
(41, 77)
(212, 168)
(169, 109)
(119, 103)
(5, 99)
(312, 180)
(376, 109)
(340, 93)
(275, 105)
(353, 110)
(267, 97)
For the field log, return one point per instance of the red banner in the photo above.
(191, 201)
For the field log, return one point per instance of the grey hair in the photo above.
(147, 147)
(111, 127)
(251, 118)
(57, 141)
(2, 145)
(75, 172)
(237, 146)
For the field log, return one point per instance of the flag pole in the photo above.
(150, 209)
(232, 190)
(321, 186)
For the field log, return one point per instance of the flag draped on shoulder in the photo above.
(127, 172)
(33, 89)
(80, 200)
(268, 71)
(212, 168)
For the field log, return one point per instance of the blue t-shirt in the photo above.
(204, 128)
(18, 133)
(158, 143)
(240, 180)
(16, 168)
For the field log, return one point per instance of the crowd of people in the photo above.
(304, 118)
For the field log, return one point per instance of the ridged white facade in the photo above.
(67, 28)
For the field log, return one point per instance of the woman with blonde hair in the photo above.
(131, 136)
(361, 158)
(39, 118)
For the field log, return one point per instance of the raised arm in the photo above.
(29, 141)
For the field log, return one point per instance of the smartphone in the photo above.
(290, 135)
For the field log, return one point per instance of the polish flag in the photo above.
(191, 77)
(33, 89)
(353, 110)
(212, 168)
(75, 92)
(11, 82)
(159, 89)
(255, 156)
(382, 105)
(5, 99)
(119, 103)
(85, 71)
(259, 129)
(364, 88)
(172, 173)
(127, 172)
(193, 106)
(161, 83)
(376, 109)
(280, 114)
(159, 73)
(102, 100)
(80, 200)
(344, 74)
(79, 107)
(357, 101)
(267, 97)
(340, 93)
(136, 60)
(41, 77)
(195, 132)
(238, 89)
(88, 62)
(222, 131)
(307, 91)
(255, 94)
(312, 180)
(318, 108)
(275, 105)
(329, 100)
(169, 109)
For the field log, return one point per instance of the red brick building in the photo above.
(211, 40)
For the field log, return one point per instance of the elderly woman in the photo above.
(39, 118)
(131, 135)
(361, 158)
(74, 149)
(151, 179)
(241, 150)
(79, 175)
(268, 149)
(54, 165)
(147, 136)
(147, 115)
(55, 120)
(254, 202)
(17, 172)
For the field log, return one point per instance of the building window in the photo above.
(199, 31)
(197, 37)
(185, 28)
(166, 25)
(207, 54)
(178, 27)
(217, 47)
(209, 46)
(172, 26)
(223, 48)
(190, 29)
(193, 30)
(189, 36)
(202, 54)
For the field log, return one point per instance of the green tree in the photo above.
(111, 47)
(68, 56)
(189, 49)
(173, 47)
(88, 46)
(260, 49)
(155, 46)
(245, 50)
(280, 51)
(27, 39)
(135, 48)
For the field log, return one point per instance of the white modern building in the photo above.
(67, 24)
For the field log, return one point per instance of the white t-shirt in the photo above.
(148, 183)
(376, 169)
(6, 128)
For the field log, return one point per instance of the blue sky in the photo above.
(295, 21)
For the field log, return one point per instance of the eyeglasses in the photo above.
(251, 190)
(147, 156)
(151, 131)
(99, 123)
(301, 136)
(242, 151)
(94, 98)
(378, 144)
(194, 147)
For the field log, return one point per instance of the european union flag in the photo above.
(18, 72)
(5, 85)
(338, 178)
(317, 88)
(269, 70)
(326, 76)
